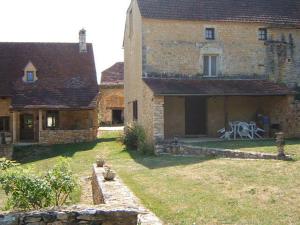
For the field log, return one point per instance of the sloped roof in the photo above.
(199, 87)
(266, 11)
(114, 75)
(66, 77)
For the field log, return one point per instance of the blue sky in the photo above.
(61, 20)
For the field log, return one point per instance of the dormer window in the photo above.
(29, 76)
(30, 73)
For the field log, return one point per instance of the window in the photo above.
(210, 65)
(135, 110)
(210, 33)
(29, 76)
(4, 123)
(52, 119)
(262, 34)
(130, 23)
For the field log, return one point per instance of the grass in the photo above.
(194, 190)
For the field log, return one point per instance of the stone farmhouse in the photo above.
(192, 66)
(48, 92)
(111, 104)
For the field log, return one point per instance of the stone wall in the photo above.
(186, 150)
(6, 151)
(101, 215)
(116, 193)
(178, 47)
(67, 136)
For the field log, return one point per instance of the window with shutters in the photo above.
(210, 65)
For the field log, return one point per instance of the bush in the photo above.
(61, 182)
(27, 191)
(135, 138)
(6, 164)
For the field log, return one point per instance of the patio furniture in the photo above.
(241, 129)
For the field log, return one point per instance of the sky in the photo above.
(61, 20)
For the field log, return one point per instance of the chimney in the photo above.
(82, 41)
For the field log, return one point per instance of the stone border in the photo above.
(189, 150)
(116, 192)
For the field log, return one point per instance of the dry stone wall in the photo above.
(73, 216)
(67, 136)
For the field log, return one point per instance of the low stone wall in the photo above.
(213, 152)
(6, 151)
(73, 216)
(116, 193)
(67, 136)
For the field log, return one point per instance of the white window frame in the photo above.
(209, 65)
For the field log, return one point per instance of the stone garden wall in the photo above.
(6, 151)
(187, 150)
(67, 136)
(116, 193)
(73, 216)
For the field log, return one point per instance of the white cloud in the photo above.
(61, 20)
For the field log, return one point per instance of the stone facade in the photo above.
(111, 97)
(79, 125)
(67, 136)
(175, 49)
(6, 151)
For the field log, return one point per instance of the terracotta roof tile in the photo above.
(266, 11)
(216, 87)
(113, 75)
(66, 77)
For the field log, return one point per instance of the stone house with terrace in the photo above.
(111, 103)
(192, 66)
(48, 92)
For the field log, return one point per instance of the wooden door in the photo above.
(195, 115)
(27, 127)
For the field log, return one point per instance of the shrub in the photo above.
(27, 191)
(61, 182)
(135, 138)
(6, 164)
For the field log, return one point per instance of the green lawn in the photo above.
(194, 190)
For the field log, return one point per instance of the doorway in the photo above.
(195, 116)
(26, 127)
(117, 117)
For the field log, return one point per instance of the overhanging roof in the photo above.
(189, 87)
(262, 11)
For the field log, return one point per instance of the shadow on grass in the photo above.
(156, 162)
(28, 154)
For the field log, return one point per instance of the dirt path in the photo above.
(86, 190)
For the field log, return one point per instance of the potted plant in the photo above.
(109, 175)
(100, 161)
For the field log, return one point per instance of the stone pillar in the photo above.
(280, 144)
(40, 123)
(15, 114)
(158, 119)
